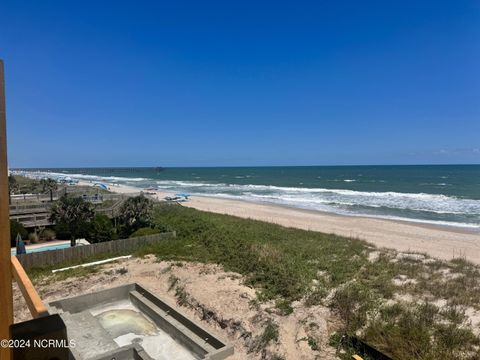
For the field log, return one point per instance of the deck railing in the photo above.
(35, 304)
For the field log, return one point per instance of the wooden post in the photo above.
(6, 300)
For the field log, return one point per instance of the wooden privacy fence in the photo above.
(60, 256)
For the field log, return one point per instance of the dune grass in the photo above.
(387, 300)
(408, 306)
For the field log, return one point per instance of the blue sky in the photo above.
(207, 83)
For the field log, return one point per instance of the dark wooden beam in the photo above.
(6, 300)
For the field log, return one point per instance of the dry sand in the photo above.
(440, 242)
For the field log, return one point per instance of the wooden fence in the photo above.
(79, 252)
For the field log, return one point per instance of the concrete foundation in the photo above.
(129, 322)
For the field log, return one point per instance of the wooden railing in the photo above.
(35, 304)
(112, 211)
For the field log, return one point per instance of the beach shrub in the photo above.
(101, 229)
(284, 307)
(421, 332)
(33, 237)
(353, 302)
(47, 234)
(17, 228)
(270, 334)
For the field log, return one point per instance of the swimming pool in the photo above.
(13, 251)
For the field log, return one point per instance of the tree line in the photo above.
(75, 218)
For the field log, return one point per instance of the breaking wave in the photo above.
(418, 207)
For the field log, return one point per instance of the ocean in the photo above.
(438, 194)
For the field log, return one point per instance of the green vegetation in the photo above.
(74, 218)
(47, 234)
(311, 342)
(17, 228)
(280, 262)
(135, 214)
(102, 229)
(74, 214)
(12, 187)
(422, 331)
(146, 231)
(283, 306)
(43, 275)
(49, 185)
(407, 305)
(371, 297)
(82, 271)
(24, 185)
(33, 237)
(270, 334)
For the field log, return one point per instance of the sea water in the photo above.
(434, 194)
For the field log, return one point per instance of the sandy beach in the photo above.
(440, 242)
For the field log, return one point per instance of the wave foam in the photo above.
(44, 174)
(420, 207)
(434, 203)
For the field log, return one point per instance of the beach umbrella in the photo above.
(101, 185)
(20, 245)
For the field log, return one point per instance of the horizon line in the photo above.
(229, 166)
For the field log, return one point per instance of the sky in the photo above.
(241, 83)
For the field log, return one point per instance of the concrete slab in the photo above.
(181, 335)
(91, 339)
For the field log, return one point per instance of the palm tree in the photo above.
(75, 213)
(49, 185)
(12, 187)
(136, 212)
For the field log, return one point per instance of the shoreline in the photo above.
(441, 242)
(445, 227)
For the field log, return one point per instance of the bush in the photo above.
(353, 303)
(17, 228)
(33, 237)
(145, 231)
(270, 334)
(47, 234)
(101, 229)
(62, 231)
(75, 213)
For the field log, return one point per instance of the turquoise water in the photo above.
(438, 194)
(43, 248)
